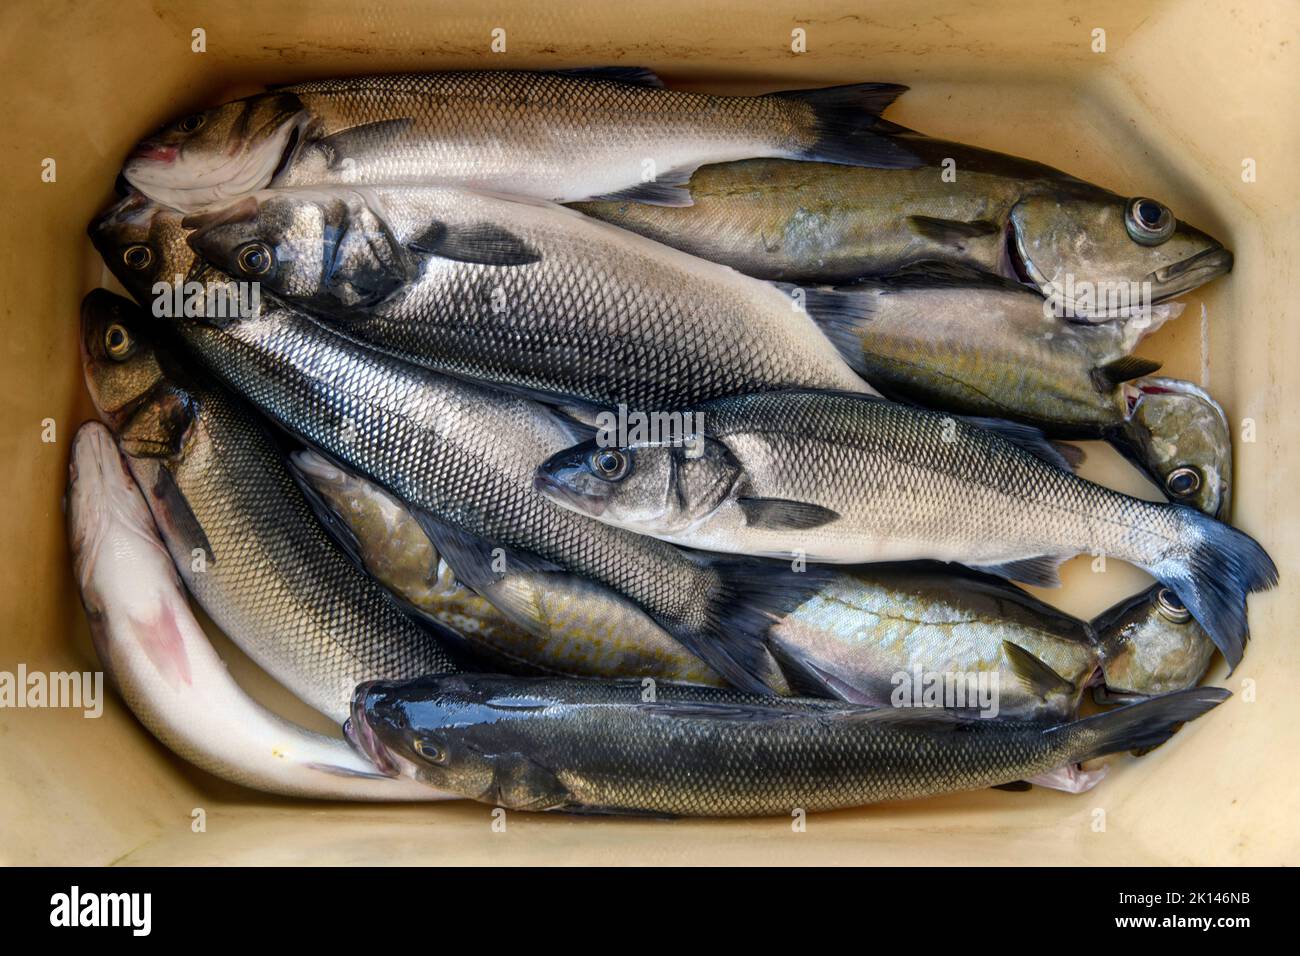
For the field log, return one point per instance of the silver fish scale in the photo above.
(499, 128)
(602, 316)
(463, 453)
(892, 476)
(768, 757)
(275, 582)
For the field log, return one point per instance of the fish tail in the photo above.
(1137, 726)
(845, 126)
(1212, 575)
(750, 597)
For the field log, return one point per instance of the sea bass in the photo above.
(242, 535)
(561, 135)
(163, 664)
(526, 295)
(570, 625)
(848, 479)
(592, 746)
(820, 223)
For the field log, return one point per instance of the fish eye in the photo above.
(1182, 482)
(1149, 223)
(1171, 607)
(430, 750)
(118, 342)
(137, 256)
(191, 123)
(610, 463)
(255, 259)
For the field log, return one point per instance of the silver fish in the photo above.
(594, 746)
(163, 664)
(845, 478)
(560, 135)
(526, 295)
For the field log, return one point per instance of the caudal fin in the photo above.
(750, 598)
(1139, 726)
(1212, 577)
(846, 129)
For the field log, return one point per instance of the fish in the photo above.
(874, 635)
(1149, 644)
(601, 747)
(524, 295)
(1179, 435)
(973, 343)
(242, 535)
(831, 477)
(1091, 249)
(163, 664)
(578, 629)
(557, 135)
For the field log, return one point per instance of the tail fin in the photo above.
(846, 130)
(750, 598)
(1140, 726)
(1213, 576)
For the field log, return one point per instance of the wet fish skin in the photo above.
(1180, 437)
(590, 746)
(529, 296)
(847, 479)
(576, 628)
(967, 342)
(564, 135)
(1147, 647)
(162, 663)
(270, 577)
(818, 223)
(869, 629)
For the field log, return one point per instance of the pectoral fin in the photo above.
(1041, 680)
(783, 514)
(484, 243)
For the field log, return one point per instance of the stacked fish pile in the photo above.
(652, 502)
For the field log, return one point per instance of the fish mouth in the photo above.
(147, 152)
(1194, 271)
(567, 497)
(362, 736)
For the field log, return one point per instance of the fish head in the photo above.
(218, 154)
(452, 732)
(128, 380)
(1150, 644)
(324, 248)
(124, 574)
(143, 244)
(1099, 254)
(651, 487)
(1179, 435)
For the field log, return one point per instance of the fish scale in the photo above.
(599, 315)
(458, 451)
(582, 745)
(1013, 504)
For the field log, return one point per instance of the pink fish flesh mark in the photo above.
(154, 153)
(163, 644)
